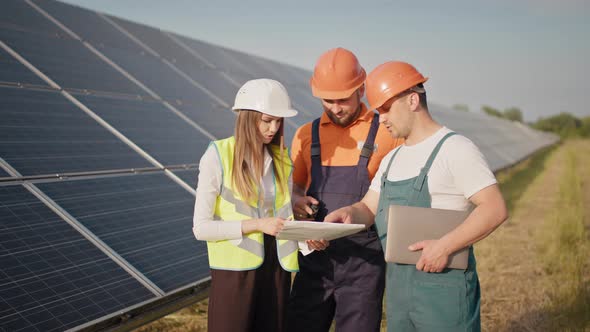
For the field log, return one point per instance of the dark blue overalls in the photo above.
(346, 281)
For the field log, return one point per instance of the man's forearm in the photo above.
(482, 221)
(298, 192)
(361, 214)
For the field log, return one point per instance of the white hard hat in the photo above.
(266, 96)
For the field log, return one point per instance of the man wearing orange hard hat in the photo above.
(335, 157)
(435, 168)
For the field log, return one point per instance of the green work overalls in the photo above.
(416, 300)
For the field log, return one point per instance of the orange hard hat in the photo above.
(337, 74)
(390, 79)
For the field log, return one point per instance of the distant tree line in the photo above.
(511, 113)
(563, 124)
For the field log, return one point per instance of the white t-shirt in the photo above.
(458, 171)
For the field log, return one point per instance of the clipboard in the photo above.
(298, 230)
(409, 224)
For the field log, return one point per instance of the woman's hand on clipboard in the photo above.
(317, 244)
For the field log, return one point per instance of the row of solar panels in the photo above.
(91, 109)
(102, 123)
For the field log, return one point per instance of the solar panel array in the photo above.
(503, 142)
(102, 124)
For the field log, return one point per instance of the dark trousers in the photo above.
(254, 300)
(344, 282)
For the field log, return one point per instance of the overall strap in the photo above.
(369, 145)
(424, 171)
(384, 176)
(316, 156)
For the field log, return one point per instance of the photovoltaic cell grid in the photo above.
(189, 176)
(155, 39)
(218, 121)
(12, 71)
(160, 133)
(160, 78)
(67, 62)
(188, 97)
(43, 133)
(3, 173)
(502, 142)
(223, 88)
(147, 219)
(195, 103)
(305, 104)
(88, 25)
(221, 59)
(17, 15)
(151, 71)
(242, 67)
(52, 278)
(163, 80)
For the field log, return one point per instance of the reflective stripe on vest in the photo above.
(249, 254)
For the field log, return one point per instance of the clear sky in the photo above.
(531, 54)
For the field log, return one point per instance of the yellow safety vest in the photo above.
(249, 254)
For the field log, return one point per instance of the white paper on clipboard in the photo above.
(312, 230)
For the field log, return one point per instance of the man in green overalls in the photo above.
(434, 168)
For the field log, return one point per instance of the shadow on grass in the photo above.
(515, 180)
(564, 315)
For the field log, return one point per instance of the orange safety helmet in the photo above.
(337, 74)
(390, 79)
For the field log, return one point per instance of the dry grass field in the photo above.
(535, 269)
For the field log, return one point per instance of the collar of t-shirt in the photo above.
(431, 140)
(364, 116)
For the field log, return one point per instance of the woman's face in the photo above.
(269, 125)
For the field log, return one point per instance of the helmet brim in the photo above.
(286, 113)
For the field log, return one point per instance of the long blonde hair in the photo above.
(249, 156)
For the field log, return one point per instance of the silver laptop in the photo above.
(409, 224)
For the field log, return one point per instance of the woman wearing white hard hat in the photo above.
(243, 199)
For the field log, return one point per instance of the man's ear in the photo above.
(414, 101)
(361, 91)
